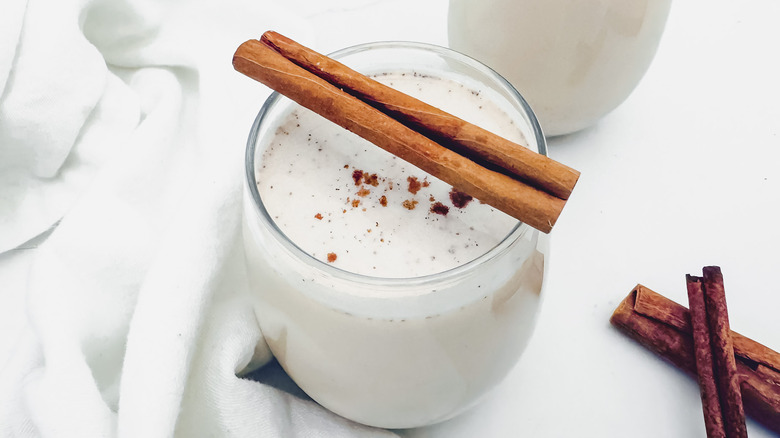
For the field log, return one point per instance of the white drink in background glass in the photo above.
(379, 306)
(573, 60)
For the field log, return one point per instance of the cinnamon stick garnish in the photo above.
(664, 327)
(529, 204)
(450, 131)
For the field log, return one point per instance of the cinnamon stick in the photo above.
(724, 363)
(452, 132)
(533, 206)
(705, 368)
(664, 327)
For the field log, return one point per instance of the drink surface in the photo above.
(349, 203)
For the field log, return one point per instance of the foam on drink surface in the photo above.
(351, 204)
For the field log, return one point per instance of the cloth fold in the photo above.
(123, 122)
(47, 100)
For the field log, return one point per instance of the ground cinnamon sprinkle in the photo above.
(383, 201)
(363, 192)
(440, 208)
(318, 216)
(372, 180)
(459, 199)
(414, 185)
(331, 257)
(409, 204)
(357, 176)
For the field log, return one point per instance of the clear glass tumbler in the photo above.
(395, 352)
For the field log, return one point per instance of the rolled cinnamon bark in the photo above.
(714, 297)
(664, 327)
(535, 207)
(448, 130)
(705, 366)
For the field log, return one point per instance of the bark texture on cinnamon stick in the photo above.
(452, 132)
(724, 363)
(705, 368)
(515, 197)
(664, 327)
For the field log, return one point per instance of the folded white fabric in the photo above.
(47, 99)
(124, 121)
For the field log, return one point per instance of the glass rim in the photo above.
(262, 213)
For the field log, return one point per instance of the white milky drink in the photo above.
(388, 296)
(331, 192)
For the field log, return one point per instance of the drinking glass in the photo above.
(395, 352)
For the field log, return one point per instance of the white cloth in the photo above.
(124, 121)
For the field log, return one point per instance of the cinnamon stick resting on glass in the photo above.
(664, 327)
(487, 175)
(452, 132)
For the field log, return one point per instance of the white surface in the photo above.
(682, 175)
